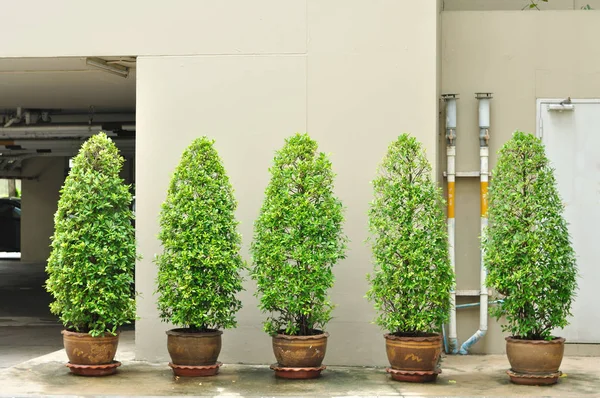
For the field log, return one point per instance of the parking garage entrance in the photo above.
(48, 108)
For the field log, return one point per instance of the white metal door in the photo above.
(572, 138)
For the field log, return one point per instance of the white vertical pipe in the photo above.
(483, 295)
(451, 175)
(484, 113)
(452, 330)
(450, 114)
(484, 125)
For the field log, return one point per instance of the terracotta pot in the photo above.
(300, 351)
(535, 357)
(83, 349)
(192, 348)
(414, 353)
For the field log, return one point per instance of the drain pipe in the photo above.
(16, 118)
(484, 137)
(450, 100)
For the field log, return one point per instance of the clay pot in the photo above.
(412, 354)
(535, 357)
(193, 348)
(83, 349)
(300, 351)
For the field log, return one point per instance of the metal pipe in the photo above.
(62, 143)
(468, 305)
(15, 119)
(27, 117)
(57, 131)
(450, 100)
(58, 146)
(484, 137)
(58, 116)
(36, 129)
(444, 339)
(9, 155)
(12, 165)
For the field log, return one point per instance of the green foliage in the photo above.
(298, 238)
(528, 250)
(413, 277)
(199, 269)
(91, 266)
(534, 4)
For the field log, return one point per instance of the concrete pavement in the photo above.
(462, 376)
(21, 291)
(27, 329)
(19, 344)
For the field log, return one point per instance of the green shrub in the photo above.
(298, 238)
(199, 269)
(528, 251)
(413, 277)
(91, 266)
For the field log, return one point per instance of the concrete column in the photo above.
(39, 200)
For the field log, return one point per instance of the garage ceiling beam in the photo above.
(112, 67)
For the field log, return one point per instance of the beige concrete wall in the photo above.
(506, 5)
(594, 4)
(519, 57)
(39, 202)
(184, 27)
(248, 104)
(368, 72)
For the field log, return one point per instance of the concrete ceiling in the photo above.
(64, 83)
(67, 88)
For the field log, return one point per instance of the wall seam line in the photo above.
(306, 38)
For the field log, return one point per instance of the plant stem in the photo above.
(303, 325)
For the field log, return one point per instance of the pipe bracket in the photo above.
(451, 137)
(484, 137)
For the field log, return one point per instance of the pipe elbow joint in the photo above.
(464, 348)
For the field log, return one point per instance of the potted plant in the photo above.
(91, 265)
(298, 238)
(413, 278)
(199, 268)
(529, 259)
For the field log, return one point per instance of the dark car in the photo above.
(10, 225)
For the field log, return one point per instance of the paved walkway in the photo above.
(462, 376)
(27, 329)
